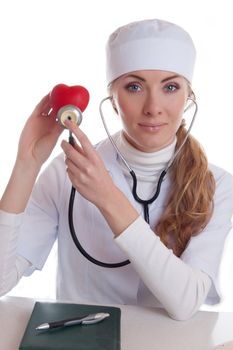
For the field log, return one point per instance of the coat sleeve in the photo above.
(183, 284)
(38, 231)
(12, 266)
(27, 238)
(205, 250)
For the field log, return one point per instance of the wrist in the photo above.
(28, 167)
(18, 190)
(118, 211)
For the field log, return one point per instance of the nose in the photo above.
(152, 105)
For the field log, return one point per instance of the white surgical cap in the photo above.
(147, 45)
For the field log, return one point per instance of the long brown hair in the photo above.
(190, 203)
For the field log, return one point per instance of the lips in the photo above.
(151, 126)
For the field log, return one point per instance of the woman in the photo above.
(175, 252)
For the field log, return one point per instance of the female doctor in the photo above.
(174, 242)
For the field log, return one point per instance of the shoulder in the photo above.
(219, 172)
(222, 177)
(224, 185)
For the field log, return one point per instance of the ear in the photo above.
(192, 95)
(113, 104)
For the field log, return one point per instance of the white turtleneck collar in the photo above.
(147, 166)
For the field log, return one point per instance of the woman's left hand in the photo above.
(89, 176)
(86, 169)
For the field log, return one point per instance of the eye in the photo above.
(133, 87)
(171, 87)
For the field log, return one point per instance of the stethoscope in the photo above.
(76, 115)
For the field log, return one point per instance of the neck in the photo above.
(147, 166)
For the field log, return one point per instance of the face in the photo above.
(150, 104)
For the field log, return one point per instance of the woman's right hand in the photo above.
(39, 135)
(37, 140)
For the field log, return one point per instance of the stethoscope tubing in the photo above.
(145, 203)
(78, 244)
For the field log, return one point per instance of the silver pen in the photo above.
(87, 319)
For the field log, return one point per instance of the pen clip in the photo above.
(95, 318)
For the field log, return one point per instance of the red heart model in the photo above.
(62, 95)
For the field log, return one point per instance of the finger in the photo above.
(78, 172)
(80, 178)
(43, 109)
(44, 105)
(76, 146)
(76, 157)
(82, 138)
(71, 168)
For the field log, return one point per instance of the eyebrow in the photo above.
(142, 79)
(135, 76)
(171, 77)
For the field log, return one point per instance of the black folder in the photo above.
(104, 335)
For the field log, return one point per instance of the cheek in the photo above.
(178, 108)
(124, 108)
(178, 124)
(178, 119)
(176, 115)
(179, 103)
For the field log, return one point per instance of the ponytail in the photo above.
(190, 203)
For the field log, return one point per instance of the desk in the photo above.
(141, 328)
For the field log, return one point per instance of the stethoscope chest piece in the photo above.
(69, 112)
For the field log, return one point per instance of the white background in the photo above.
(46, 42)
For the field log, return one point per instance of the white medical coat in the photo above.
(46, 219)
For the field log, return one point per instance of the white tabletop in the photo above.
(141, 328)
